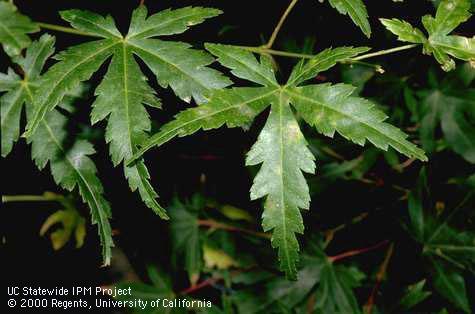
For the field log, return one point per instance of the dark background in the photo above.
(218, 156)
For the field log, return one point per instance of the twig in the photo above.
(279, 24)
(331, 232)
(218, 225)
(210, 281)
(378, 183)
(201, 285)
(332, 153)
(379, 278)
(455, 210)
(310, 306)
(356, 252)
(406, 163)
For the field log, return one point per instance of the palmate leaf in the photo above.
(14, 28)
(70, 165)
(124, 91)
(186, 238)
(450, 284)
(274, 294)
(330, 286)
(160, 290)
(357, 12)
(414, 295)
(335, 292)
(450, 105)
(458, 131)
(65, 223)
(450, 252)
(450, 14)
(281, 147)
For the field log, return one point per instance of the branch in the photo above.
(279, 24)
(379, 278)
(356, 252)
(209, 282)
(203, 284)
(330, 233)
(451, 215)
(218, 225)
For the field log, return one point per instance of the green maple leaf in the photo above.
(450, 104)
(70, 223)
(414, 295)
(160, 288)
(330, 285)
(186, 239)
(357, 12)
(449, 15)
(265, 293)
(124, 92)
(281, 148)
(70, 165)
(450, 252)
(335, 292)
(14, 28)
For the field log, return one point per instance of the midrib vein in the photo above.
(282, 197)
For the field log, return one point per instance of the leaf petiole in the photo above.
(63, 29)
(264, 50)
(384, 52)
(46, 197)
(280, 23)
